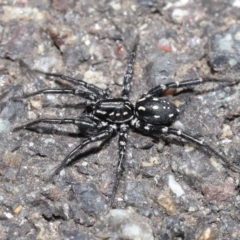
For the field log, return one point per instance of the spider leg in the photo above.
(102, 135)
(127, 80)
(98, 91)
(201, 143)
(159, 89)
(153, 130)
(77, 92)
(122, 143)
(80, 122)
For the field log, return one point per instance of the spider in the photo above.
(105, 116)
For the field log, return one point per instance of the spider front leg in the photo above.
(155, 130)
(127, 80)
(81, 123)
(91, 87)
(204, 145)
(122, 143)
(98, 91)
(160, 89)
(77, 92)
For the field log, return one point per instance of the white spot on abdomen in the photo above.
(142, 108)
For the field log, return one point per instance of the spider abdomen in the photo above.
(156, 110)
(116, 110)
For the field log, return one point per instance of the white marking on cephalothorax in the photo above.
(156, 116)
(125, 113)
(155, 99)
(101, 112)
(177, 83)
(111, 114)
(179, 132)
(118, 121)
(118, 114)
(142, 108)
(128, 106)
(155, 107)
(164, 107)
(171, 115)
(177, 110)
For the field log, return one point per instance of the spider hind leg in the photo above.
(154, 130)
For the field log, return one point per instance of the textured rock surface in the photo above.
(170, 189)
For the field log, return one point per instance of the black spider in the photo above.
(105, 116)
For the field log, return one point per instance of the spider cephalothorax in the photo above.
(105, 116)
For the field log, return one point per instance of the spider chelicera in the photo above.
(105, 116)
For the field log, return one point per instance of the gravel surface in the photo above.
(170, 189)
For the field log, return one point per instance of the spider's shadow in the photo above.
(90, 151)
(76, 106)
(52, 130)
